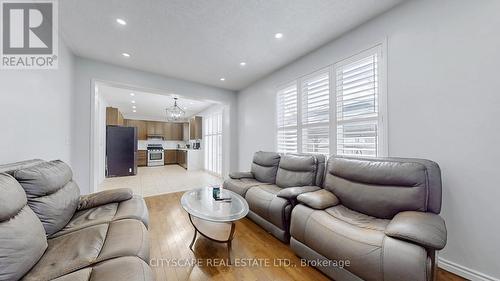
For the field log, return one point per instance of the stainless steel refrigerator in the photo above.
(121, 150)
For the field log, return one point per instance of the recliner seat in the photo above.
(100, 236)
(381, 214)
(272, 186)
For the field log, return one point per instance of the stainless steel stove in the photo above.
(155, 155)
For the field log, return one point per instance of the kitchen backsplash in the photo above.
(142, 144)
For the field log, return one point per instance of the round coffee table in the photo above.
(214, 219)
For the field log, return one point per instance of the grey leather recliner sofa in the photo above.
(272, 186)
(49, 232)
(380, 215)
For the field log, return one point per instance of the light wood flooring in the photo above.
(171, 234)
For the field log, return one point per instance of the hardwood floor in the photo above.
(257, 255)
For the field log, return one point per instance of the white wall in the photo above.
(443, 104)
(89, 71)
(35, 109)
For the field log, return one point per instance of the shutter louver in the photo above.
(316, 113)
(287, 119)
(357, 107)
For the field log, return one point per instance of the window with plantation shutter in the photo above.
(358, 117)
(315, 121)
(287, 119)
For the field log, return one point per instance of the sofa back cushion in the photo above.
(22, 237)
(265, 166)
(52, 194)
(297, 170)
(383, 187)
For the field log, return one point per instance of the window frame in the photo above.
(382, 133)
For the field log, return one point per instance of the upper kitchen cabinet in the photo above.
(142, 131)
(172, 131)
(154, 128)
(114, 117)
(195, 128)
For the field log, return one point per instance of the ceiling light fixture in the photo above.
(127, 55)
(243, 63)
(134, 107)
(222, 79)
(134, 111)
(132, 94)
(121, 21)
(133, 101)
(278, 35)
(174, 113)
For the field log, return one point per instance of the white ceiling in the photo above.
(205, 40)
(150, 106)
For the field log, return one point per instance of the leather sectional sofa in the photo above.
(49, 232)
(272, 186)
(368, 218)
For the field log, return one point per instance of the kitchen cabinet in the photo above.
(172, 131)
(182, 158)
(195, 128)
(142, 133)
(154, 128)
(114, 117)
(170, 156)
(142, 157)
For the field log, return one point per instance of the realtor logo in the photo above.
(29, 34)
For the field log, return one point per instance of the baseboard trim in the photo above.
(464, 271)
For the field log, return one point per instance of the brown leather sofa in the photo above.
(273, 184)
(378, 215)
(49, 232)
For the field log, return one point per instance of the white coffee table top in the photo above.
(200, 203)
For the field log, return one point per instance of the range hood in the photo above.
(155, 137)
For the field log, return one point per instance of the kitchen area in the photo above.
(158, 143)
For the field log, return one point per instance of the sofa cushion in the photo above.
(241, 186)
(383, 187)
(342, 234)
(119, 269)
(263, 201)
(89, 246)
(12, 167)
(265, 166)
(296, 170)
(22, 237)
(134, 208)
(52, 194)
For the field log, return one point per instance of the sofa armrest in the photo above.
(104, 197)
(319, 200)
(241, 175)
(425, 229)
(291, 193)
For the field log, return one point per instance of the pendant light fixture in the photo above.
(175, 113)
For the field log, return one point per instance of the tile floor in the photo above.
(151, 181)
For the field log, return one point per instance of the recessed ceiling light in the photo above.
(191, 102)
(134, 107)
(278, 35)
(133, 101)
(243, 63)
(222, 79)
(127, 55)
(121, 21)
(132, 94)
(134, 111)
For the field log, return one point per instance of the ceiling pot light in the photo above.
(133, 101)
(121, 21)
(132, 94)
(127, 55)
(222, 79)
(134, 107)
(243, 63)
(278, 35)
(174, 113)
(134, 111)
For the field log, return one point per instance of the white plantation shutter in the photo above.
(287, 119)
(316, 113)
(357, 108)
